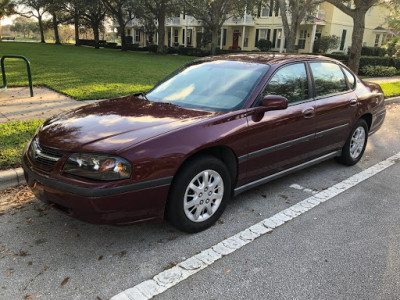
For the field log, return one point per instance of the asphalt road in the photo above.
(345, 248)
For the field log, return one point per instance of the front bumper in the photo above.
(120, 205)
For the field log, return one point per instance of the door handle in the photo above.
(309, 113)
(353, 102)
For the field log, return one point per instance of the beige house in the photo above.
(242, 33)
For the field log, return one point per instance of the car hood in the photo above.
(114, 125)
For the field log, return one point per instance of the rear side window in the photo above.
(350, 78)
(328, 78)
(290, 82)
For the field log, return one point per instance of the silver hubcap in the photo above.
(203, 196)
(357, 142)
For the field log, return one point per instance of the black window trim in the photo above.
(309, 83)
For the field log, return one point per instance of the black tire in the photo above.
(349, 157)
(181, 192)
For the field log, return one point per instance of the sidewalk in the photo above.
(383, 79)
(16, 105)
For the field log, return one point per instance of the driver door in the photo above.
(280, 139)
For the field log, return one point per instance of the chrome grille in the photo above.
(45, 156)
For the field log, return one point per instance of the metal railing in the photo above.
(3, 71)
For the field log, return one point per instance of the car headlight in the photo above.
(98, 167)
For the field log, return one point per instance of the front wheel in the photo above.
(199, 194)
(355, 145)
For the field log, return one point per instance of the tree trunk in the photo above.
(161, 33)
(123, 35)
(76, 24)
(214, 41)
(357, 39)
(55, 28)
(42, 40)
(290, 40)
(95, 27)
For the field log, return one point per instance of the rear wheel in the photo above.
(355, 145)
(199, 194)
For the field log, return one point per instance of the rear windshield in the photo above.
(215, 85)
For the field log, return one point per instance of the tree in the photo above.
(94, 14)
(326, 43)
(263, 45)
(54, 7)
(6, 8)
(75, 8)
(293, 12)
(36, 9)
(214, 13)
(160, 9)
(23, 25)
(357, 12)
(121, 11)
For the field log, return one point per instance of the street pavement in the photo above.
(344, 248)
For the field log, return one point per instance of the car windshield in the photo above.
(214, 85)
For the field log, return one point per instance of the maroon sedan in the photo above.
(214, 128)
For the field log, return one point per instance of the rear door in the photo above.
(281, 138)
(336, 106)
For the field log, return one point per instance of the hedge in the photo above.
(369, 60)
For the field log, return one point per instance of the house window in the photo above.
(302, 39)
(128, 32)
(176, 36)
(377, 40)
(137, 37)
(188, 37)
(224, 37)
(262, 34)
(265, 12)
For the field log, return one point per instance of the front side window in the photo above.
(328, 79)
(215, 85)
(290, 82)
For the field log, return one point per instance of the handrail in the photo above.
(3, 70)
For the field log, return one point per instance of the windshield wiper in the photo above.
(141, 94)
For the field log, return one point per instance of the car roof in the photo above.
(266, 58)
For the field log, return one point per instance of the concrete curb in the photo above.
(392, 100)
(11, 178)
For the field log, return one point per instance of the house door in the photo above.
(235, 43)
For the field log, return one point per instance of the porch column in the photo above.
(222, 38)
(282, 41)
(144, 39)
(243, 36)
(314, 30)
(185, 44)
(157, 32)
(170, 42)
(133, 35)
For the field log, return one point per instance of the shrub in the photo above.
(129, 39)
(378, 71)
(263, 45)
(153, 48)
(393, 47)
(373, 51)
(190, 51)
(326, 43)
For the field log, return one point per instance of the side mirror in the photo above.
(274, 102)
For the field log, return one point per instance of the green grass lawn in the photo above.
(13, 137)
(391, 89)
(86, 73)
